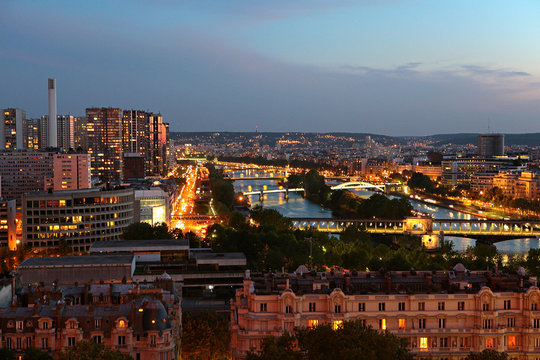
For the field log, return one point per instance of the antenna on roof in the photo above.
(489, 125)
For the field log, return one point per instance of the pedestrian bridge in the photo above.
(484, 230)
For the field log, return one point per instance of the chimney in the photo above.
(52, 128)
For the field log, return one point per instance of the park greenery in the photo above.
(205, 336)
(351, 341)
(346, 204)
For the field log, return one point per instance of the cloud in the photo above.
(483, 70)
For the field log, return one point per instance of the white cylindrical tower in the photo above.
(52, 127)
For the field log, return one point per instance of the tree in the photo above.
(270, 217)
(533, 262)
(422, 182)
(276, 348)
(6, 354)
(487, 355)
(145, 231)
(351, 340)
(89, 350)
(205, 336)
(32, 353)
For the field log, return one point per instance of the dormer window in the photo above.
(122, 323)
(72, 324)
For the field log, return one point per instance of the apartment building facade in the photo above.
(79, 217)
(443, 315)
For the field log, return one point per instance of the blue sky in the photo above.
(388, 67)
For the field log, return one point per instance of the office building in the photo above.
(442, 314)
(460, 171)
(79, 217)
(154, 206)
(12, 128)
(104, 129)
(490, 145)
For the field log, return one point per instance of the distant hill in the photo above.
(468, 138)
(532, 139)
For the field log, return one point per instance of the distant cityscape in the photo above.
(115, 230)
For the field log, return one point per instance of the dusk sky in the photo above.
(378, 66)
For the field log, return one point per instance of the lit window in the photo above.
(423, 343)
(122, 323)
(511, 341)
(313, 323)
(489, 342)
(337, 324)
(382, 324)
(402, 324)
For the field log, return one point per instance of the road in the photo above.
(185, 203)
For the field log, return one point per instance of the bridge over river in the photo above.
(431, 230)
(342, 186)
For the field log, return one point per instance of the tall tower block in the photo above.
(52, 127)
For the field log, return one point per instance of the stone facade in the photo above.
(443, 315)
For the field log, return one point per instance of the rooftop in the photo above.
(134, 245)
(63, 261)
(211, 255)
(392, 282)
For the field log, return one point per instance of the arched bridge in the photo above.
(358, 185)
(484, 230)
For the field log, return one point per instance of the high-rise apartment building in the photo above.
(104, 131)
(66, 136)
(32, 134)
(12, 125)
(71, 171)
(134, 131)
(146, 134)
(79, 133)
(65, 130)
(157, 137)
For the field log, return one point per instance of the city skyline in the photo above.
(392, 68)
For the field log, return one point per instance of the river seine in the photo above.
(297, 206)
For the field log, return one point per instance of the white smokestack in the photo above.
(52, 128)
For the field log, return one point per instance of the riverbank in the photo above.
(445, 203)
